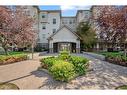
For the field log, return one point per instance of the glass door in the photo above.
(64, 46)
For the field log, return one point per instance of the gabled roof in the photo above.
(62, 28)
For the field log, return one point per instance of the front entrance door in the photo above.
(64, 46)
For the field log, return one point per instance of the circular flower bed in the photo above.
(65, 67)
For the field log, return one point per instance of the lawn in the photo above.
(110, 53)
(15, 53)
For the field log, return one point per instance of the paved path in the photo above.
(25, 75)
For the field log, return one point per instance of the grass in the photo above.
(124, 87)
(5, 86)
(110, 53)
(14, 53)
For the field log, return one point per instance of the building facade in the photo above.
(56, 32)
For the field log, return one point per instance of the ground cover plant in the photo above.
(12, 57)
(65, 67)
(5, 86)
(123, 87)
(115, 57)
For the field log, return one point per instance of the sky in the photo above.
(66, 10)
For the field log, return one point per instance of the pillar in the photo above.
(50, 47)
(78, 47)
(97, 46)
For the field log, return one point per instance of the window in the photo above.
(54, 30)
(43, 36)
(70, 22)
(65, 22)
(43, 16)
(43, 27)
(54, 21)
(73, 21)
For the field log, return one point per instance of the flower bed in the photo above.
(65, 67)
(116, 59)
(7, 59)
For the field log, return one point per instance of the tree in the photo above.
(87, 35)
(5, 22)
(112, 21)
(16, 27)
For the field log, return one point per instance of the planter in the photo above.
(116, 61)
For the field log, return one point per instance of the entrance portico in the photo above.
(64, 39)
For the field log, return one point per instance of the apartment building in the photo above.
(56, 32)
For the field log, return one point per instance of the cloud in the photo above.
(71, 7)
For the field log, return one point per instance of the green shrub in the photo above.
(63, 71)
(80, 63)
(64, 55)
(48, 62)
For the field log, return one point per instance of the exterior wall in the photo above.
(83, 16)
(48, 23)
(69, 21)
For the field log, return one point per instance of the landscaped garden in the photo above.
(65, 67)
(12, 57)
(115, 57)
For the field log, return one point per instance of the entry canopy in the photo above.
(64, 34)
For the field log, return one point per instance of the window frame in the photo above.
(43, 27)
(54, 22)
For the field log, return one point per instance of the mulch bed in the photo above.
(117, 62)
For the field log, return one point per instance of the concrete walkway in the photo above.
(25, 75)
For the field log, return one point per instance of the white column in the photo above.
(78, 47)
(97, 46)
(51, 47)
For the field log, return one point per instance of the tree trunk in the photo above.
(32, 50)
(6, 50)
